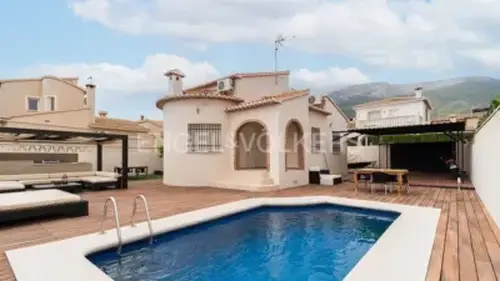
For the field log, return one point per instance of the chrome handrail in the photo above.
(117, 221)
(140, 196)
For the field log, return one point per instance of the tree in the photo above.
(160, 151)
(493, 106)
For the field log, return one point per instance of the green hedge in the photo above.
(415, 138)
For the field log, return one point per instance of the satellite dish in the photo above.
(312, 99)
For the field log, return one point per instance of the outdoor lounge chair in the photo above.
(11, 186)
(17, 206)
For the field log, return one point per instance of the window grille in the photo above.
(315, 140)
(204, 137)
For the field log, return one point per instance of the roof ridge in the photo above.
(41, 113)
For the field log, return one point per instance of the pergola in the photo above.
(98, 138)
(454, 130)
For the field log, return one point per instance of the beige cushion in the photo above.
(35, 181)
(106, 174)
(11, 185)
(79, 174)
(30, 199)
(32, 176)
(96, 179)
(9, 177)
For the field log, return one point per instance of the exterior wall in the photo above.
(13, 96)
(14, 93)
(324, 157)
(485, 168)
(67, 96)
(337, 122)
(192, 169)
(296, 109)
(87, 153)
(407, 113)
(253, 88)
(112, 157)
(155, 132)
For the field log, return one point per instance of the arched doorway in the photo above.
(251, 150)
(294, 146)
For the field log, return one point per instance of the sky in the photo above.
(127, 45)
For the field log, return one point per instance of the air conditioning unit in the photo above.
(224, 85)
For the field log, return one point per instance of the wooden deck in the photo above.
(466, 248)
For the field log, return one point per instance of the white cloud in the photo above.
(331, 78)
(489, 57)
(410, 33)
(113, 79)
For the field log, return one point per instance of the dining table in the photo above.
(368, 171)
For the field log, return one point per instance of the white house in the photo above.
(396, 111)
(248, 131)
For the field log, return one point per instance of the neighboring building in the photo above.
(56, 103)
(392, 112)
(248, 131)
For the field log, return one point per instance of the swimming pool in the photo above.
(321, 242)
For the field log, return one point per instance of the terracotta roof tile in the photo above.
(156, 122)
(237, 76)
(290, 94)
(161, 102)
(319, 110)
(268, 100)
(252, 104)
(106, 123)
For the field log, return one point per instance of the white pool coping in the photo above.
(401, 253)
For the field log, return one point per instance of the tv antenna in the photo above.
(278, 43)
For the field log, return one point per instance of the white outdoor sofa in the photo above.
(90, 179)
(17, 206)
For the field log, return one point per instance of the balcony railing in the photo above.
(398, 121)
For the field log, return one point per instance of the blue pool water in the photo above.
(313, 243)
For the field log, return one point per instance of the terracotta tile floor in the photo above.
(466, 248)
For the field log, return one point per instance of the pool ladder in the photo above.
(146, 208)
(117, 220)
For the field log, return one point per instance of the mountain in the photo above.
(456, 96)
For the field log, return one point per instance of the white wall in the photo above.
(485, 164)
(401, 109)
(181, 167)
(254, 88)
(337, 122)
(297, 109)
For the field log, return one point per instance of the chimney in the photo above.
(418, 92)
(142, 117)
(89, 98)
(103, 114)
(175, 77)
